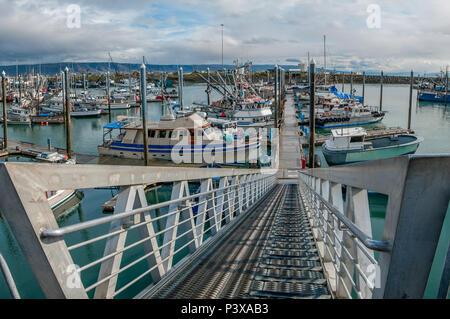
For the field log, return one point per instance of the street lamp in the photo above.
(222, 44)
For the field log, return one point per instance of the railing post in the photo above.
(203, 211)
(222, 205)
(49, 260)
(325, 187)
(125, 202)
(233, 191)
(362, 221)
(418, 212)
(338, 202)
(176, 215)
(346, 270)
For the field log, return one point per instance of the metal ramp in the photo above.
(270, 254)
(289, 266)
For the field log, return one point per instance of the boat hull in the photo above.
(352, 122)
(352, 156)
(439, 97)
(223, 154)
(81, 114)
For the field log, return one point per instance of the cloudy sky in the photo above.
(394, 35)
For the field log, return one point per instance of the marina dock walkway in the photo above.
(290, 147)
(270, 254)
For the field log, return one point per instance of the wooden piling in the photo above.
(381, 91)
(276, 96)
(5, 114)
(351, 83)
(67, 114)
(446, 85)
(312, 115)
(208, 88)
(143, 90)
(410, 99)
(363, 86)
(108, 97)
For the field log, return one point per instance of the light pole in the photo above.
(222, 44)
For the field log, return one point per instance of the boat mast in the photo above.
(324, 60)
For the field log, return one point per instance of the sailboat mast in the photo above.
(324, 59)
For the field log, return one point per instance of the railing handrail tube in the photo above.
(364, 238)
(103, 220)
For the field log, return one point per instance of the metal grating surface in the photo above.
(271, 254)
(289, 265)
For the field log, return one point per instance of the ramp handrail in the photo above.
(363, 237)
(8, 278)
(418, 192)
(141, 243)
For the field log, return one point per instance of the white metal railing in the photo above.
(413, 222)
(187, 221)
(4, 269)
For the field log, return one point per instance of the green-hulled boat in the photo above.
(349, 145)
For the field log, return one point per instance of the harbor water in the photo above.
(432, 121)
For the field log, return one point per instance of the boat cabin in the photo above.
(347, 139)
(168, 131)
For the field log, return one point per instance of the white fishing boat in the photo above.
(17, 115)
(189, 138)
(115, 103)
(85, 112)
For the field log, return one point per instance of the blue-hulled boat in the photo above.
(189, 139)
(434, 96)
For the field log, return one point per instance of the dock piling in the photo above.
(411, 81)
(144, 111)
(5, 113)
(208, 88)
(351, 83)
(446, 85)
(180, 87)
(363, 86)
(381, 91)
(276, 95)
(108, 97)
(67, 113)
(312, 115)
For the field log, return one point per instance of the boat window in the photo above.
(162, 134)
(357, 139)
(152, 134)
(169, 135)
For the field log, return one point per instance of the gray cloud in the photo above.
(413, 34)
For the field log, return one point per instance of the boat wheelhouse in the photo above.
(186, 139)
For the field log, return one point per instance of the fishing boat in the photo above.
(115, 103)
(85, 112)
(18, 116)
(349, 145)
(439, 96)
(79, 110)
(190, 136)
(350, 115)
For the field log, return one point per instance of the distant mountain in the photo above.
(102, 67)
